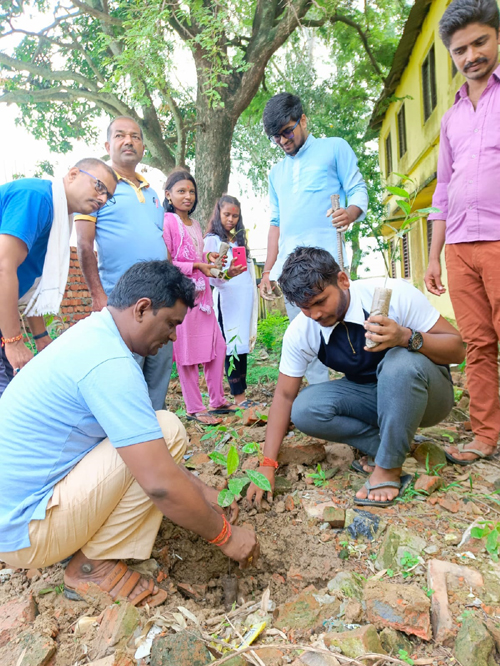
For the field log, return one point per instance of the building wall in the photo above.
(420, 160)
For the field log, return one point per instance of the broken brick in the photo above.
(402, 607)
(298, 451)
(196, 592)
(335, 517)
(304, 611)
(428, 483)
(16, 614)
(453, 506)
(118, 623)
(357, 642)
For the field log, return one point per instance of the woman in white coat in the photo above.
(235, 296)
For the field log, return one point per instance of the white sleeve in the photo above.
(212, 243)
(300, 346)
(411, 308)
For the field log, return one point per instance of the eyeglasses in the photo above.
(285, 134)
(100, 187)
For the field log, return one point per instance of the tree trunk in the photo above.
(213, 156)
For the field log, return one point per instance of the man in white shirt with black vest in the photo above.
(386, 393)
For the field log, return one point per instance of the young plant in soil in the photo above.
(319, 477)
(491, 531)
(235, 486)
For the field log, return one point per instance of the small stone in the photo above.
(315, 505)
(304, 611)
(279, 507)
(452, 539)
(430, 455)
(398, 539)
(289, 503)
(438, 572)
(363, 524)
(393, 641)
(37, 650)
(453, 506)
(118, 623)
(474, 645)
(431, 550)
(16, 614)
(301, 452)
(428, 483)
(347, 582)
(282, 486)
(334, 516)
(182, 649)
(353, 613)
(199, 458)
(33, 574)
(325, 537)
(402, 607)
(357, 642)
(196, 592)
(255, 416)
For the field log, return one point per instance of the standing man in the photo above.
(300, 187)
(126, 233)
(34, 251)
(468, 197)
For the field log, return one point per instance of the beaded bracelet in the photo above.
(16, 338)
(269, 462)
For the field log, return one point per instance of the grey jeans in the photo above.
(378, 419)
(316, 372)
(157, 370)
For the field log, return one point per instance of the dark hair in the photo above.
(92, 163)
(279, 110)
(159, 281)
(173, 178)
(306, 272)
(460, 13)
(215, 225)
(110, 126)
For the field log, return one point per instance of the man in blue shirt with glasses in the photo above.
(300, 187)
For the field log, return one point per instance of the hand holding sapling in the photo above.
(386, 333)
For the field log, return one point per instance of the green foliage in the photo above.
(428, 591)
(319, 477)
(408, 562)
(270, 331)
(491, 531)
(404, 656)
(434, 471)
(235, 486)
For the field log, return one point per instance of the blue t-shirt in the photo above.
(85, 386)
(128, 231)
(300, 187)
(27, 211)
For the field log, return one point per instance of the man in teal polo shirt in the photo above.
(126, 233)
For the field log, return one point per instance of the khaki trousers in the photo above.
(474, 282)
(99, 508)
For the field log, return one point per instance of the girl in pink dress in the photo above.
(199, 339)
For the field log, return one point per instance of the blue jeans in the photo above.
(379, 419)
(157, 370)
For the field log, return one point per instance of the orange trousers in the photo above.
(474, 283)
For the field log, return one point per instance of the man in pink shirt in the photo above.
(468, 197)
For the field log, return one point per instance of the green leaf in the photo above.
(492, 542)
(398, 191)
(478, 533)
(404, 205)
(259, 480)
(251, 447)
(225, 498)
(233, 460)
(237, 485)
(218, 458)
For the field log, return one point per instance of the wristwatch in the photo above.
(416, 341)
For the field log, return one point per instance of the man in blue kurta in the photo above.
(126, 233)
(300, 187)
(32, 211)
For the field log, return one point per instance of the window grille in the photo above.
(429, 89)
(388, 156)
(405, 259)
(402, 131)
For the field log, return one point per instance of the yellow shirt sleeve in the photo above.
(89, 218)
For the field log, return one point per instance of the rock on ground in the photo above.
(357, 642)
(349, 583)
(304, 611)
(396, 542)
(402, 607)
(300, 451)
(474, 645)
(182, 649)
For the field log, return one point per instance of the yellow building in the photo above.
(420, 88)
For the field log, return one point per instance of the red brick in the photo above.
(428, 483)
(16, 614)
(403, 607)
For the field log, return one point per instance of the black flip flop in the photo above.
(224, 410)
(402, 485)
(358, 467)
(463, 463)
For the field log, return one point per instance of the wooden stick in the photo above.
(335, 199)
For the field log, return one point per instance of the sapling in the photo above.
(235, 486)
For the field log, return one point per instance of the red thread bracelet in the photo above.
(226, 527)
(269, 462)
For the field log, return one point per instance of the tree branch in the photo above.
(45, 72)
(102, 16)
(339, 18)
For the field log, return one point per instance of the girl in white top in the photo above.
(235, 297)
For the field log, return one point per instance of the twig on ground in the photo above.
(220, 618)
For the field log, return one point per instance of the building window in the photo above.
(402, 131)
(429, 83)
(405, 259)
(429, 236)
(388, 156)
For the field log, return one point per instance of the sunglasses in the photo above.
(100, 187)
(284, 134)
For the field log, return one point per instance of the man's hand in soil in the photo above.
(256, 494)
(242, 547)
(386, 332)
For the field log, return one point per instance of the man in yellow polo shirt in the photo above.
(125, 233)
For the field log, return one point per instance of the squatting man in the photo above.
(386, 393)
(104, 468)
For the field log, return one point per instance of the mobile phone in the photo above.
(240, 256)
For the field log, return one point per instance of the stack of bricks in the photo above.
(77, 303)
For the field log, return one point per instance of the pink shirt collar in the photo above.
(463, 91)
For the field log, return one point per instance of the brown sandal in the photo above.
(111, 581)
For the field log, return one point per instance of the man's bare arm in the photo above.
(85, 233)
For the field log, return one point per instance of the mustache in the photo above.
(479, 61)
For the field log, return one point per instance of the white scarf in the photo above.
(46, 294)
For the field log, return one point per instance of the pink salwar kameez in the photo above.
(199, 339)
